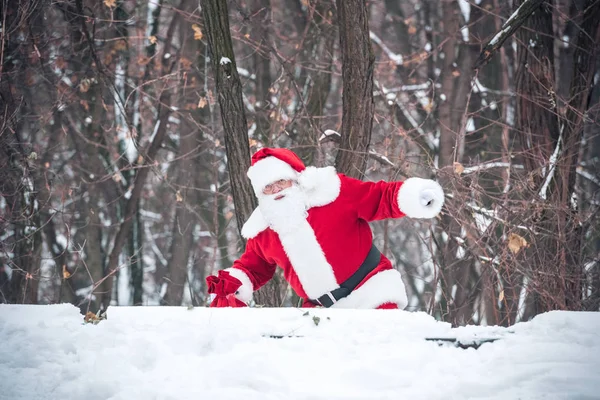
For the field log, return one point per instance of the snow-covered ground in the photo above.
(47, 352)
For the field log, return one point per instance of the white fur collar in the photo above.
(321, 185)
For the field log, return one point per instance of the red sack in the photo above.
(224, 287)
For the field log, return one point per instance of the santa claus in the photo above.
(314, 224)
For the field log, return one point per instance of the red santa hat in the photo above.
(270, 165)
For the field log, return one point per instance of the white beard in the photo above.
(286, 214)
(287, 217)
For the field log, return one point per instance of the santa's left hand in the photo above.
(427, 197)
(420, 198)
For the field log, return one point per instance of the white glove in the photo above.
(420, 198)
(427, 197)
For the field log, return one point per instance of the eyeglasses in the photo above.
(280, 184)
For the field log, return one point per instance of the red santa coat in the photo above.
(334, 240)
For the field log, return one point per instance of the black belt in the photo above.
(368, 265)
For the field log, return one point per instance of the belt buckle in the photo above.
(330, 296)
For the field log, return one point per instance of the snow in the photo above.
(124, 296)
(327, 133)
(470, 125)
(178, 353)
(123, 132)
(465, 9)
(552, 162)
(482, 221)
(86, 292)
(496, 38)
(382, 158)
(588, 175)
(488, 165)
(152, 6)
(465, 33)
(155, 130)
(396, 58)
(510, 115)
(245, 73)
(224, 60)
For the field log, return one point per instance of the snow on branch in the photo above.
(330, 135)
(588, 175)
(153, 245)
(484, 222)
(396, 58)
(245, 73)
(513, 23)
(553, 160)
(410, 88)
(403, 88)
(392, 98)
(381, 158)
(478, 87)
(489, 165)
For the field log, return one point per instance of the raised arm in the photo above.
(414, 197)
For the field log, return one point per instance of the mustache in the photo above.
(283, 192)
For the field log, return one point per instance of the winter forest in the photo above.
(126, 128)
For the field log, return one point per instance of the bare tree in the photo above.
(233, 116)
(357, 75)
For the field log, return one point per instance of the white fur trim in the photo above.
(254, 225)
(308, 260)
(414, 195)
(321, 185)
(384, 287)
(245, 291)
(269, 170)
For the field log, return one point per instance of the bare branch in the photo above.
(510, 26)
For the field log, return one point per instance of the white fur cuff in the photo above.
(420, 198)
(245, 291)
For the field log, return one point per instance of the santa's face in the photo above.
(284, 208)
(276, 188)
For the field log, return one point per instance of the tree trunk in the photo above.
(536, 118)
(455, 271)
(191, 172)
(357, 75)
(22, 28)
(233, 116)
(261, 13)
(132, 203)
(572, 235)
(314, 81)
(181, 241)
(555, 259)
